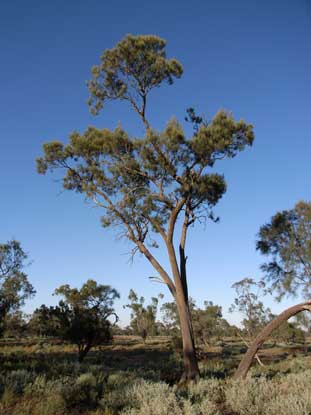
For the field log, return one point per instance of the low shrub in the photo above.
(148, 398)
(287, 395)
(85, 391)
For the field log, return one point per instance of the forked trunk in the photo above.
(246, 362)
(191, 368)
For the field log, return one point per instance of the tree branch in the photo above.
(145, 251)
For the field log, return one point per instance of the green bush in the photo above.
(85, 391)
(152, 399)
(287, 395)
(16, 381)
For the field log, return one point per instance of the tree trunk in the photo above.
(246, 361)
(191, 368)
(83, 351)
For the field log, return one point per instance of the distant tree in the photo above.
(15, 324)
(14, 285)
(248, 303)
(289, 332)
(44, 322)
(208, 322)
(143, 318)
(82, 317)
(155, 183)
(303, 321)
(286, 240)
(170, 316)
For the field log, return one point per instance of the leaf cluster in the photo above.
(15, 287)
(286, 241)
(139, 182)
(130, 70)
(82, 317)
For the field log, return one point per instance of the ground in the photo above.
(36, 372)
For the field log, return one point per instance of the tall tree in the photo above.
(159, 183)
(286, 240)
(15, 287)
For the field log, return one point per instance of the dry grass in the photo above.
(41, 377)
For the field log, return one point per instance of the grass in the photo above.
(43, 377)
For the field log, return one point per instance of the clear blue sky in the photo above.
(250, 57)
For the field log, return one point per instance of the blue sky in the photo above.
(249, 57)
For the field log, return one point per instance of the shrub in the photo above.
(211, 389)
(86, 391)
(116, 397)
(287, 395)
(152, 399)
(249, 397)
(16, 381)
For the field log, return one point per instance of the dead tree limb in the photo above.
(256, 354)
(247, 359)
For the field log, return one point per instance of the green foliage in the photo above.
(152, 399)
(44, 321)
(17, 380)
(15, 324)
(140, 182)
(130, 70)
(248, 303)
(95, 388)
(81, 318)
(287, 396)
(14, 285)
(170, 316)
(289, 332)
(85, 391)
(286, 240)
(143, 318)
(208, 323)
(148, 185)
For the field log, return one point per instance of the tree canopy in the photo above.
(130, 70)
(15, 287)
(82, 317)
(286, 241)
